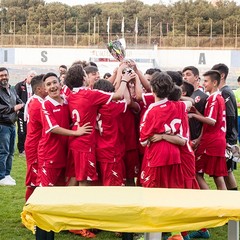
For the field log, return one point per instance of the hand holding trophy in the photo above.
(117, 50)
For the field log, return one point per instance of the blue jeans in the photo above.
(7, 143)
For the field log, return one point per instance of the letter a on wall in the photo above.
(202, 59)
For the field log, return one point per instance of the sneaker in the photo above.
(6, 182)
(10, 178)
(138, 236)
(22, 154)
(186, 237)
(84, 233)
(200, 234)
(175, 237)
(118, 234)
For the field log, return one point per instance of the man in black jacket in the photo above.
(10, 104)
(24, 91)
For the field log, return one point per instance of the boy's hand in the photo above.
(85, 129)
(128, 76)
(156, 137)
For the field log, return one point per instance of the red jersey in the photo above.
(84, 104)
(162, 117)
(65, 91)
(187, 155)
(53, 147)
(107, 138)
(34, 123)
(147, 99)
(213, 140)
(130, 130)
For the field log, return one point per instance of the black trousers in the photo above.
(22, 130)
(127, 236)
(44, 235)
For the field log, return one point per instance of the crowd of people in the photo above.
(155, 130)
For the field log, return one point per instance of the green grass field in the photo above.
(12, 202)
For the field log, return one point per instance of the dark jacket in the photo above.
(21, 90)
(7, 102)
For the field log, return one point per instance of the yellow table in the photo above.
(131, 209)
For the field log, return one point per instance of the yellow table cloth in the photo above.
(129, 209)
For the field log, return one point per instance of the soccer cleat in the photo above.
(200, 234)
(175, 237)
(186, 237)
(84, 233)
(6, 182)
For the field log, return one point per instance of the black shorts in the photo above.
(231, 165)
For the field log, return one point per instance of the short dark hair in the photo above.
(175, 94)
(63, 66)
(176, 77)
(91, 69)
(214, 75)
(83, 63)
(188, 88)
(161, 84)
(107, 75)
(75, 76)
(238, 79)
(194, 70)
(3, 69)
(104, 85)
(49, 74)
(36, 81)
(222, 68)
(151, 71)
(93, 64)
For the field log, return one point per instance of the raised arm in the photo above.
(145, 83)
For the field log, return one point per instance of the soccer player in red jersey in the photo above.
(84, 104)
(54, 141)
(52, 149)
(210, 154)
(108, 149)
(32, 115)
(163, 165)
(161, 155)
(65, 91)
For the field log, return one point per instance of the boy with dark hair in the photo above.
(32, 115)
(210, 154)
(56, 123)
(231, 121)
(149, 72)
(191, 75)
(24, 91)
(176, 77)
(93, 75)
(108, 150)
(62, 70)
(187, 89)
(162, 164)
